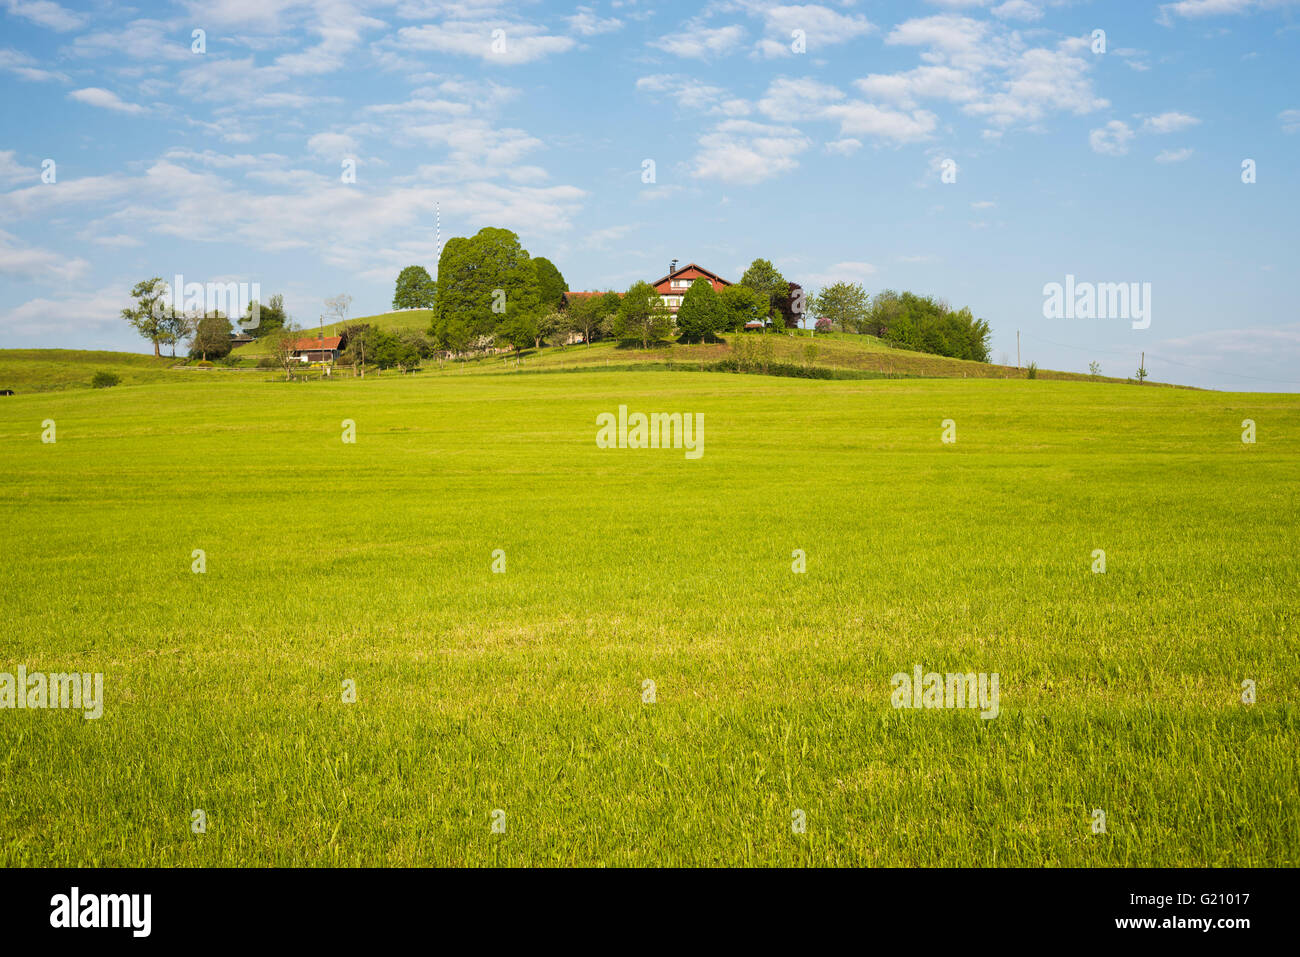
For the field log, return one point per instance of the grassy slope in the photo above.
(414, 320)
(45, 370)
(836, 350)
(522, 691)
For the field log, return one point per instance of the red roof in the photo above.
(717, 280)
(305, 345)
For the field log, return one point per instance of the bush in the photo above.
(1031, 371)
(105, 380)
(267, 362)
(231, 361)
(204, 364)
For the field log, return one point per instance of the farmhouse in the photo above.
(320, 349)
(672, 287)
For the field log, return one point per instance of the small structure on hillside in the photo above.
(320, 349)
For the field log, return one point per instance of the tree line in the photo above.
(906, 320)
(208, 333)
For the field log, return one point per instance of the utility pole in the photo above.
(322, 344)
(1017, 348)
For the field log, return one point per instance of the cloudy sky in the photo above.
(973, 149)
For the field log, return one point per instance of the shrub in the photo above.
(204, 364)
(105, 380)
(230, 361)
(823, 325)
(1031, 371)
(267, 362)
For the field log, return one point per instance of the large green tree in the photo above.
(415, 289)
(886, 306)
(270, 317)
(150, 316)
(484, 281)
(701, 315)
(843, 303)
(766, 280)
(740, 305)
(211, 337)
(551, 286)
(642, 316)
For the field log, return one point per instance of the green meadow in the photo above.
(524, 690)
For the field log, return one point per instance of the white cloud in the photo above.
(803, 99)
(745, 153)
(11, 171)
(1290, 121)
(1193, 9)
(989, 70)
(821, 26)
(1168, 123)
(521, 42)
(844, 147)
(45, 13)
(588, 24)
(924, 82)
(104, 99)
(696, 42)
(25, 67)
(693, 94)
(796, 100)
(840, 272)
(332, 146)
(866, 119)
(54, 318)
(142, 41)
(1018, 10)
(983, 204)
(32, 264)
(1173, 156)
(1111, 139)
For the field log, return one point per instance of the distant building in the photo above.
(672, 287)
(317, 349)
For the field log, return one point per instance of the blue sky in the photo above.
(1115, 166)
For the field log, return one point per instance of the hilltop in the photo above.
(43, 370)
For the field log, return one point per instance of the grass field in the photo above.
(48, 370)
(522, 691)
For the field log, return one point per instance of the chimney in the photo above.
(672, 267)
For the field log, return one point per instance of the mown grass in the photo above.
(523, 691)
(47, 370)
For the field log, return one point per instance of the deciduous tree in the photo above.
(844, 303)
(415, 289)
(642, 316)
(701, 315)
(149, 315)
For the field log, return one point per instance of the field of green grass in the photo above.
(522, 691)
(48, 370)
